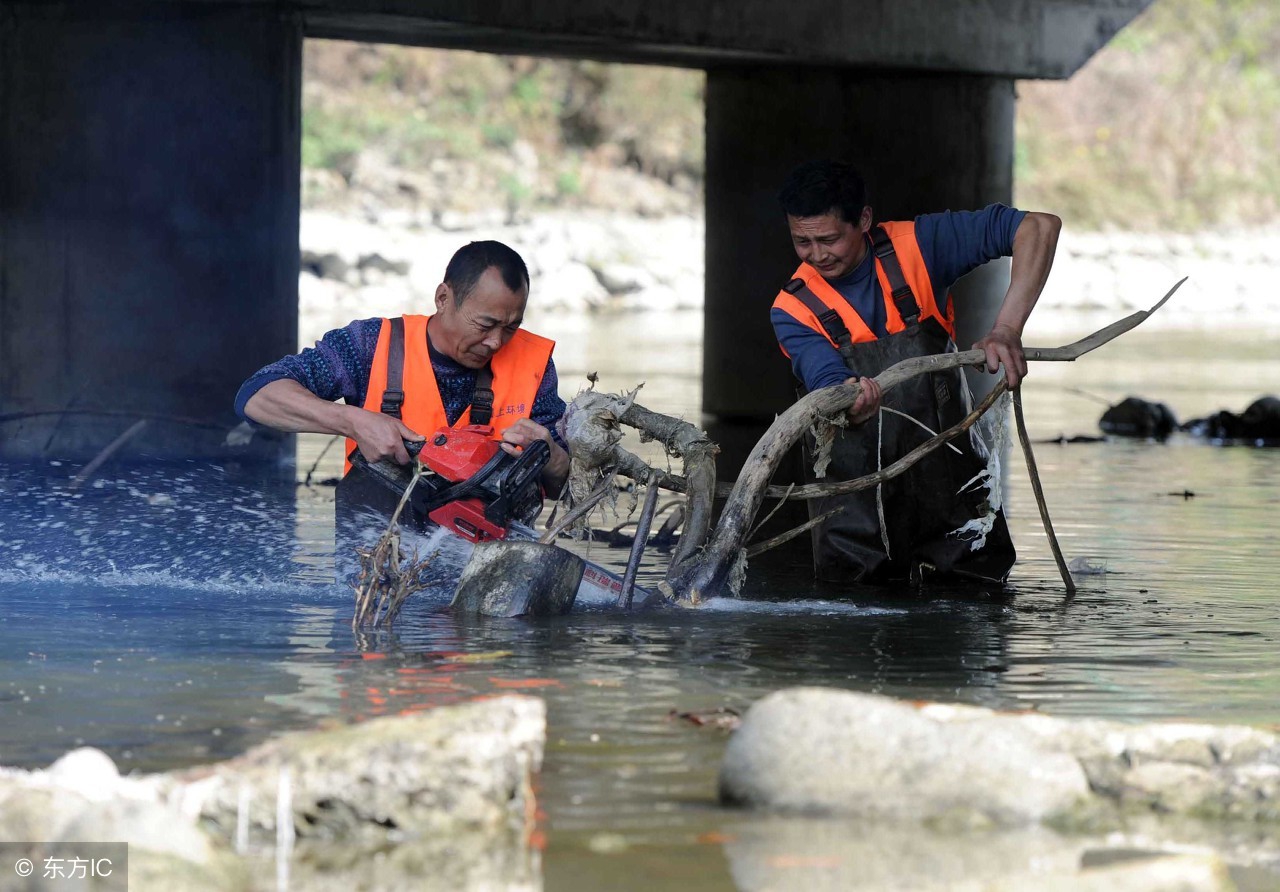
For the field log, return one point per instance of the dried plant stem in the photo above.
(386, 578)
(319, 458)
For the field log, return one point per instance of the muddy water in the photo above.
(177, 615)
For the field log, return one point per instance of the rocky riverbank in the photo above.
(605, 262)
(838, 790)
(436, 800)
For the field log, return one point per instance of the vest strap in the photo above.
(393, 396)
(482, 397)
(829, 318)
(903, 297)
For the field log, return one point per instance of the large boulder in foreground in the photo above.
(823, 751)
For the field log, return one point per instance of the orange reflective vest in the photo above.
(902, 236)
(517, 374)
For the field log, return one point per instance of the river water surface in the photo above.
(179, 614)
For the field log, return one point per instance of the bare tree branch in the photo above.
(707, 576)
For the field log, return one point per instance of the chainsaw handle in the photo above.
(527, 468)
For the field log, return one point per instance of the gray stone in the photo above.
(438, 800)
(571, 286)
(837, 752)
(519, 579)
(376, 261)
(325, 265)
(834, 752)
(623, 278)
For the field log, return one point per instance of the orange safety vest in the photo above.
(517, 374)
(902, 236)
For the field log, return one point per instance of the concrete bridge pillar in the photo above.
(148, 219)
(924, 142)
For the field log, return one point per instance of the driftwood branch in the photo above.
(708, 575)
(843, 487)
(592, 431)
(637, 547)
(387, 578)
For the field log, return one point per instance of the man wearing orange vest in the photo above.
(469, 362)
(865, 297)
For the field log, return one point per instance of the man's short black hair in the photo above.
(818, 187)
(470, 261)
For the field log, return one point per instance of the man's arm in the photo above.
(286, 405)
(1034, 245)
(298, 393)
(813, 360)
(818, 364)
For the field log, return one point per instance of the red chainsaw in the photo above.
(469, 484)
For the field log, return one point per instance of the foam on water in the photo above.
(796, 608)
(223, 584)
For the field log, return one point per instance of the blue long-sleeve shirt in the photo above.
(952, 243)
(338, 366)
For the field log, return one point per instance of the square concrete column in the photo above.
(148, 219)
(923, 142)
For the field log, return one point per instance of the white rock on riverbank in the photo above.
(1232, 279)
(599, 261)
(577, 262)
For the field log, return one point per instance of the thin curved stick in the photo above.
(783, 538)
(584, 507)
(111, 449)
(1039, 491)
(776, 509)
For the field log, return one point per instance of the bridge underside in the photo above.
(149, 212)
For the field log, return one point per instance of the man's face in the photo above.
(832, 246)
(471, 333)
